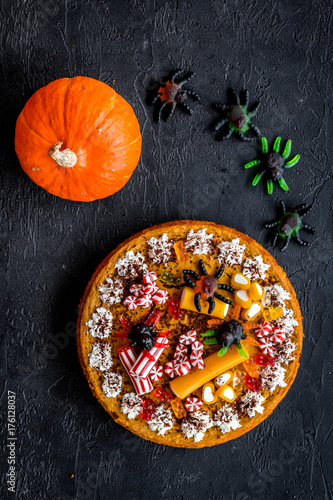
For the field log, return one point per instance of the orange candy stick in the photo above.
(215, 321)
(252, 341)
(236, 312)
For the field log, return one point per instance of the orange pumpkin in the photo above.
(78, 139)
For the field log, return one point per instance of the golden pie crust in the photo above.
(178, 230)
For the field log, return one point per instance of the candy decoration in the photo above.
(187, 302)
(178, 408)
(264, 360)
(156, 373)
(193, 404)
(144, 301)
(137, 290)
(266, 345)
(128, 357)
(160, 297)
(208, 394)
(240, 282)
(130, 302)
(264, 329)
(183, 368)
(252, 383)
(147, 409)
(223, 379)
(162, 395)
(150, 289)
(197, 347)
(226, 392)
(242, 298)
(170, 278)
(196, 360)
(238, 380)
(147, 359)
(180, 251)
(188, 338)
(170, 368)
(277, 335)
(149, 277)
(251, 367)
(174, 309)
(253, 313)
(180, 352)
(273, 313)
(256, 291)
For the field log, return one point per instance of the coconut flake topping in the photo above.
(100, 357)
(130, 405)
(226, 418)
(112, 384)
(255, 269)
(196, 424)
(283, 352)
(100, 324)
(231, 252)
(250, 403)
(275, 296)
(199, 243)
(273, 377)
(111, 291)
(161, 250)
(132, 265)
(161, 420)
(287, 322)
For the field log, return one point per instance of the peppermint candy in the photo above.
(161, 296)
(156, 373)
(150, 289)
(196, 360)
(130, 302)
(170, 368)
(137, 290)
(180, 352)
(197, 347)
(188, 338)
(266, 345)
(183, 368)
(193, 404)
(149, 277)
(144, 301)
(264, 329)
(277, 335)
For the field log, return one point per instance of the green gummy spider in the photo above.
(274, 164)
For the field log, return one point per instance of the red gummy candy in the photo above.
(264, 360)
(162, 394)
(147, 410)
(174, 309)
(252, 383)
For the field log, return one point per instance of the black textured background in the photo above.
(280, 51)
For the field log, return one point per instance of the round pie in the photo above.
(189, 334)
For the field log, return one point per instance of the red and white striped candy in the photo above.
(161, 296)
(277, 335)
(128, 357)
(266, 345)
(156, 373)
(264, 329)
(150, 289)
(196, 360)
(170, 368)
(183, 368)
(137, 290)
(188, 338)
(180, 352)
(147, 359)
(197, 347)
(130, 302)
(144, 301)
(149, 277)
(193, 404)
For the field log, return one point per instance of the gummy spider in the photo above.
(238, 118)
(142, 334)
(290, 225)
(206, 286)
(274, 164)
(172, 93)
(230, 333)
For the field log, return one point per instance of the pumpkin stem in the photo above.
(65, 158)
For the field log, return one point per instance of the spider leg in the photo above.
(283, 184)
(308, 228)
(264, 145)
(219, 272)
(226, 135)
(247, 98)
(197, 304)
(222, 351)
(270, 186)
(236, 96)
(275, 238)
(271, 224)
(155, 319)
(193, 94)
(187, 107)
(189, 77)
(244, 138)
(172, 108)
(191, 273)
(228, 288)
(188, 281)
(287, 149)
(223, 299)
(301, 242)
(255, 130)
(211, 303)
(209, 333)
(283, 206)
(223, 107)
(219, 124)
(202, 267)
(286, 243)
(156, 98)
(175, 75)
(210, 342)
(292, 162)
(252, 164)
(303, 209)
(160, 111)
(276, 146)
(253, 111)
(257, 178)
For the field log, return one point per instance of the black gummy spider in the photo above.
(238, 118)
(274, 164)
(290, 225)
(172, 93)
(206, 286)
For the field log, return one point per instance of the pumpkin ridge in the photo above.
(99, 125)
(68, 86)
(31, 130)
(126, 145)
